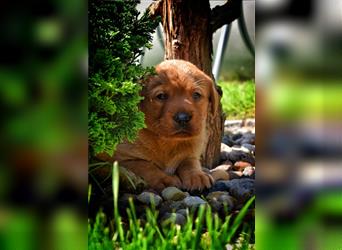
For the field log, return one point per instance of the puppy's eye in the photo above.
(196, 95)
(162, 96)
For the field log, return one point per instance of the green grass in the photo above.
(238, 100)
(205, 231)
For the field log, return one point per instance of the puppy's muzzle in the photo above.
(182, 118)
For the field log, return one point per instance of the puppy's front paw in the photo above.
(166, 181)
(196, 180)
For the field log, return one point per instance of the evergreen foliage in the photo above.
(116, 37)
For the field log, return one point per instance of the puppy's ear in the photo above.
(214, 97)
(144, 83)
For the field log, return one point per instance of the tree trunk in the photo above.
(188, 36)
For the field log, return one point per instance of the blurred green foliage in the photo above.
(116, 37)
(43, 99)
(238, 100)
(293, 98)
(314, 227)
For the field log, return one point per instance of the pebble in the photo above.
(227, 140)
(171, 206)
(250, 147)
(225, 150)
(149, 198)
(173, 193)
(249, 137)
(249, 172)
(222, 197)
(216, 195)
(240, 165)
(241, 149)
(176, 218)
(183, 211)
(231, 123)
(242, 130)
(237, 155)
(237, 163)
(194, 201)
(237, 136)
(241, 189)
(220, 172)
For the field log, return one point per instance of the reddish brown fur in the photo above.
(164, 153)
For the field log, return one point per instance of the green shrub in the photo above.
(116, 37)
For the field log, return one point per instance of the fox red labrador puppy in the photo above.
(167, 152)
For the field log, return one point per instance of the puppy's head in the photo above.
(177, 99)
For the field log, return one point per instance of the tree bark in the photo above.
(188, 36)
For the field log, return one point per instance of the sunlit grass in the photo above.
(238, 100)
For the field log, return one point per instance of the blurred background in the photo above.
(299, 155)
(43, 96)
(43, 76)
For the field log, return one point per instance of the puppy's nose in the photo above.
(182, 118)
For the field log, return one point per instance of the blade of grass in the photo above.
(198, 228)
(95, 166)
(222, 239)
(115, 185)
(89, 192)
(210, 230)
(239, 218)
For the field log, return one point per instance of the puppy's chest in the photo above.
(170, 159)
(170, 165)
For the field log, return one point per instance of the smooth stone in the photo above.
(222, 198)
(220, 172)
(175, 205)
(226, 163)
(237, 136)
(183, 211)
(215, 195)
(171, 206)
(215, 205)
(250, 122)
(176, 218)
(225, 148)
(218, 186)
(241, 189)
(250, 147)
(240, 165)
(237, 155)
(243, 130)
(239, 148)
(231, 123)
(225, 151)
(238, 141)
(249, 171)
(249, 137)
(194, 201)
(227, 140)
(235, 175)
(173, 193)
(228, 200)
(247, 141)
(149, 198)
